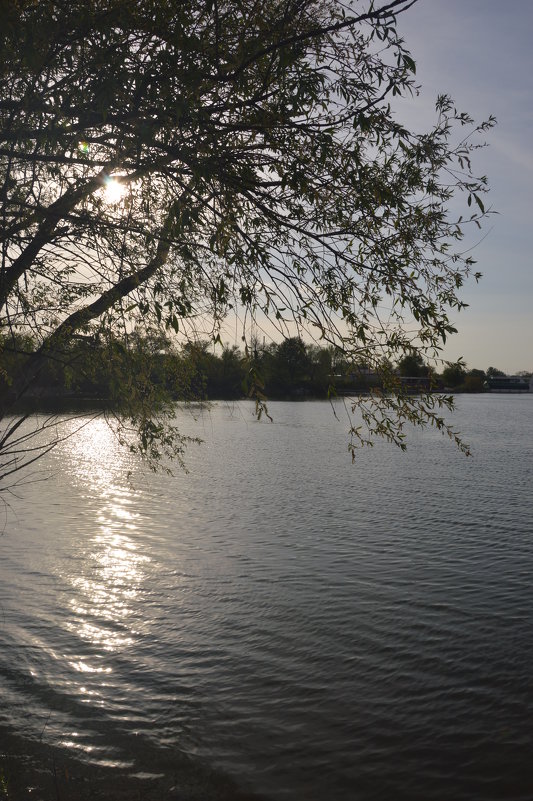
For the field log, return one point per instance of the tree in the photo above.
(412, 364)
(291, 367)
(321, 368)
(232, 378)
(453, 375)
(165, 164)
(474, 381)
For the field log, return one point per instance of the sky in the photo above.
(480, 52)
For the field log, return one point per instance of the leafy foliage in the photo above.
(165, 164)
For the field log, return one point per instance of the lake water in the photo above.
(277, 623)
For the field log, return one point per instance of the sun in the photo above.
(114, 191)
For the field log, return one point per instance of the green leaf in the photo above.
(480, 204)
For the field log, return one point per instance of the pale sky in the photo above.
(481, 53)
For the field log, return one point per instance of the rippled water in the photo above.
(276, 622)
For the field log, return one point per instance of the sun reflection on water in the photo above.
(107, 587)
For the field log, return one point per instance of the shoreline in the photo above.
(40, 770)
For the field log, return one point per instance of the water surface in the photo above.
(277, 622)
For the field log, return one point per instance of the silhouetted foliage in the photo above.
(165, 164)
(474, 381)
(413, 365)
(453, 375)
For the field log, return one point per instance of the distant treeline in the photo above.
(111, 370)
